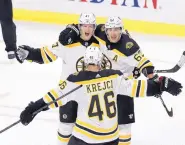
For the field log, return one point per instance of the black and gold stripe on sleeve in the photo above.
(125, 139)
(47, 55)
(144, 63)
(52, 96)
(138, 88)
(63, 138)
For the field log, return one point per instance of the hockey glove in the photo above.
(68, 35)
(168, 84)
(31, 111)
(171, 86)
(74, 28)
(22, 53)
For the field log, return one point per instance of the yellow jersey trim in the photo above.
(94, 128)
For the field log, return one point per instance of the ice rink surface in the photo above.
(22, 83)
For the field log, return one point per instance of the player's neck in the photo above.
(93, 68)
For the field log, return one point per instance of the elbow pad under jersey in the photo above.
(148, 70)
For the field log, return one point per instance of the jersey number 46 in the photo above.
(96, 109)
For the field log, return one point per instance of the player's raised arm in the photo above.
(42, 55)
(142, 88)
(64, 87)
(47, 54)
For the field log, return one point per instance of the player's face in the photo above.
(113, 34)
(86, 31)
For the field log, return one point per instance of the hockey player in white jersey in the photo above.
(122, 46)
(96, 121)
(125, 55)
(72, 56)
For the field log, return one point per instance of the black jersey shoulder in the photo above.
(87, 75)
(109, 72)
(125, 45)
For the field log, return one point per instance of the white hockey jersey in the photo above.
(97, 109)
(71, 55)
(125, 55)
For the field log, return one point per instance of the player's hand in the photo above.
(27, 115)
(171, 86)
(22, 53)
(68, 35)
(32, 110)
(74, 28)
(168, 84)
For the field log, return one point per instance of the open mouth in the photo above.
(87, 34)
(113, 38)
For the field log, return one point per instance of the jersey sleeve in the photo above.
(137, 58)
(143, 63)
(132, 88)
(63, 88)
(58, 49)
(138, 88)
(47, 54)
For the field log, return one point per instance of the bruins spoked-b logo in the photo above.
(106, 64)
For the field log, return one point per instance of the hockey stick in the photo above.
(169, 112)
(39, 110)
(179, 64)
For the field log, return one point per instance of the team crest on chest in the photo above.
(106, 64)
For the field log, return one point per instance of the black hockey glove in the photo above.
(168, 84)
(30, 111)
(22, 52)
(68, 35)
